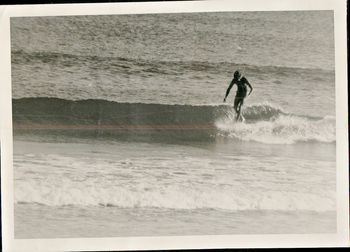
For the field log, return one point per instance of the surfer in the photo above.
(241, 93)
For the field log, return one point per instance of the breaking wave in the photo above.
(266, 123)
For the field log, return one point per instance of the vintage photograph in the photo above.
(174, 124)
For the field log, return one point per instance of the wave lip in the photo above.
(262, 112)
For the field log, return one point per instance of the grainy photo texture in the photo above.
(174, 124)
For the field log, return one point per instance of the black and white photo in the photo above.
(198, 123)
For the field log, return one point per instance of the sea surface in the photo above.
(120, 127)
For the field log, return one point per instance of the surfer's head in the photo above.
(237, 75)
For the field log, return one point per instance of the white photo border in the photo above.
(340, 238)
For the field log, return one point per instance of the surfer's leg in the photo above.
(238, 108)
(241, 102)
(236, 104)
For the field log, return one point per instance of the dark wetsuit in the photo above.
(241, 88)
(241, 93)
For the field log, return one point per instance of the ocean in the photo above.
(120, 128)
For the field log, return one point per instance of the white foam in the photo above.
(60, 192)
(284, 129)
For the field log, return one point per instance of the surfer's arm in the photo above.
(250, 86)
(229, 89)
